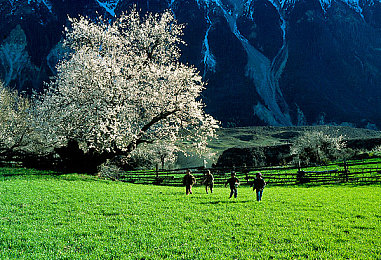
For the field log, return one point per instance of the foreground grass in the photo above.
(81, 217)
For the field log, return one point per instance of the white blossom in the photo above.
(123, 86)
(15, 121)
(317, 147)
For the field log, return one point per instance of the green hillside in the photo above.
(269, 135)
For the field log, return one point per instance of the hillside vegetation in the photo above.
(243, 137)
(264, 136)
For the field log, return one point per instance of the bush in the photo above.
(317, 147)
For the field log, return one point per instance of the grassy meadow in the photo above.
(47, 216)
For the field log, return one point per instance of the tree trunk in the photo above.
(73, 159)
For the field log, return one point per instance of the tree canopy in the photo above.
(15, 121)
(123, 85)
(317, 147)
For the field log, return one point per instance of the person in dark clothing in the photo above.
(258, 185)
(233, 184)
(188, 181)
(208, 181)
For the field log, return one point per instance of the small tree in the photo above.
(317, 147)
(151, 155)
(19, 139)
(15, 122)
(163, 153)
(123, 86)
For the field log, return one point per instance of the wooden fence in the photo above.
(361, 173)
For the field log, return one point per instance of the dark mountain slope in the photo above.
(265, 62)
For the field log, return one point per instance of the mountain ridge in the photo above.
(266, 62)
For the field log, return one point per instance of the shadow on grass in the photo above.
(28, 174)
(231, 201)
(15, 172)
(335, 184)
(10, 173)
(82, 177)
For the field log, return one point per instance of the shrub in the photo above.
(317, 147)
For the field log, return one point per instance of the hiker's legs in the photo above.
(231, 193)
(259, 195)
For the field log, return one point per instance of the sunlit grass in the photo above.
(81, 217)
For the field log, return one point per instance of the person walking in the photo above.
(208, 181)
(233, 184)
(189, 180)
(258, 185)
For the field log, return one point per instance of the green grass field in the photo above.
(82, 217)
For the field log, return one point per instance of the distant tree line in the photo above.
(310, 148)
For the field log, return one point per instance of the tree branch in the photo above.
(150, 50)
(139, 139)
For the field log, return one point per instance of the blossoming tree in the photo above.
(317, 147)
(15, 122)
(123, 86)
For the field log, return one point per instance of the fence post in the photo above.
(246, 171)
(346, 171)
(157, 170)
(299, 167)
(300, 176)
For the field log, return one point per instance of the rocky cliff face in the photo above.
(291, 62)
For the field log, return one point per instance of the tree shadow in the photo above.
(33, 173)
(231, 201)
